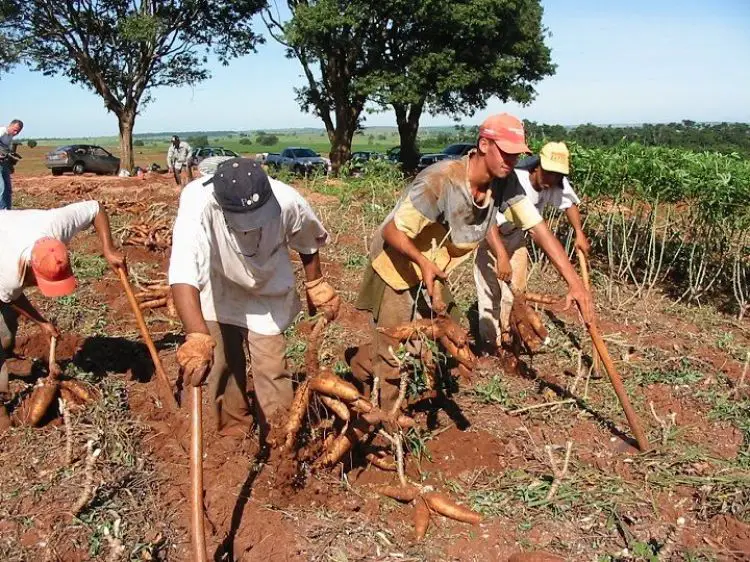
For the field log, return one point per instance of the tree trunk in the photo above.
(407, 119)
(347, 121)
(126, 120)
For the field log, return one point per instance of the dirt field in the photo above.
(484, 444)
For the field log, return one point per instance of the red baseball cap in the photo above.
(51, 266)
(507, 131)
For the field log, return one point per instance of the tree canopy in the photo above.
(123, 50)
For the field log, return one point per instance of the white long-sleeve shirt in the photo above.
(244, 280)
(20, 229)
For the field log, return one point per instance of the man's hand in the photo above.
(503, 269)
(321, 297)
(49, 329)
(170, 170)
(195, 357)
(116, 260)
(582, 243)
(578, 294)
(430, 273)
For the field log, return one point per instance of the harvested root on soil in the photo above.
(421, 518)
(527, 325)
(328, 383)
(81, 392)
(381, 462)
(153, 234)
(441, 504)
(297, 412)
(339, 447)
(337, 407)
(401, 493)
(539, 298)
(87, 491)
(156, 296)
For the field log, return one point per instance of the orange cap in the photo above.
(51, 265)
(507, 131)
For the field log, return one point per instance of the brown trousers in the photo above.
(227, 381)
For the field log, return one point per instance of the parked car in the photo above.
(201, 152)
(451, 152)
(299, 160)
(80, 158)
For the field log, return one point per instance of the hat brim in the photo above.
(512, 147)
(58, 288)
(257, 218)
(548, 165)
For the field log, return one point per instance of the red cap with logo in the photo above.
(51, 265)
(507, 131)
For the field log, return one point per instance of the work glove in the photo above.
(195, 358)
(321, 297)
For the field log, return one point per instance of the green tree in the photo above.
(339, 45)
(31, 143)
(197, 140)
(123, 50)
(452, 57)
(10, 46)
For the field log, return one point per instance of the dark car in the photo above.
(201, 152)
(298, 160)
(452, 152)
(80, 158)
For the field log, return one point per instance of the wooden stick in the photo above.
(196, 476)
(622, 395)
(583, 262)
(161, 376)
(52, 353)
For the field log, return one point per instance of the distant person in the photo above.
(6, 162)
(35, 254)
(544, 180)
(178, 159)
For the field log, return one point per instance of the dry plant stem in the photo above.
(398, 445)
(401, 393)
(538, 406)
(375, 394)
(741, 382)
(622, 395)
(665, 427)
(161, 375)
(559, 474)
(68, 431)
(587, 284)
(87, 492)
(196, 475)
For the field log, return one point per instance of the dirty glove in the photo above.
(195, 357)
(321, 297)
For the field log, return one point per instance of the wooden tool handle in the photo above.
(161, 375)
(196, 476)
(587, 285)
(622, 395)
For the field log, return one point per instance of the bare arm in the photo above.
(23, 306)
(544, 238)
(188, 304)
(405, 245)
(104, 233)
(495, 242)
(574, 216)
(311, 266)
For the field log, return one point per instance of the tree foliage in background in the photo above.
(123, 50)
(451, 57)
(339, 45)
(197, 140)
(10, 43)
(721, 137)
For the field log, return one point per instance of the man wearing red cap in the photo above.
(35, 254)
(441, 218)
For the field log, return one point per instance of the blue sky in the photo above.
(618, 62)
